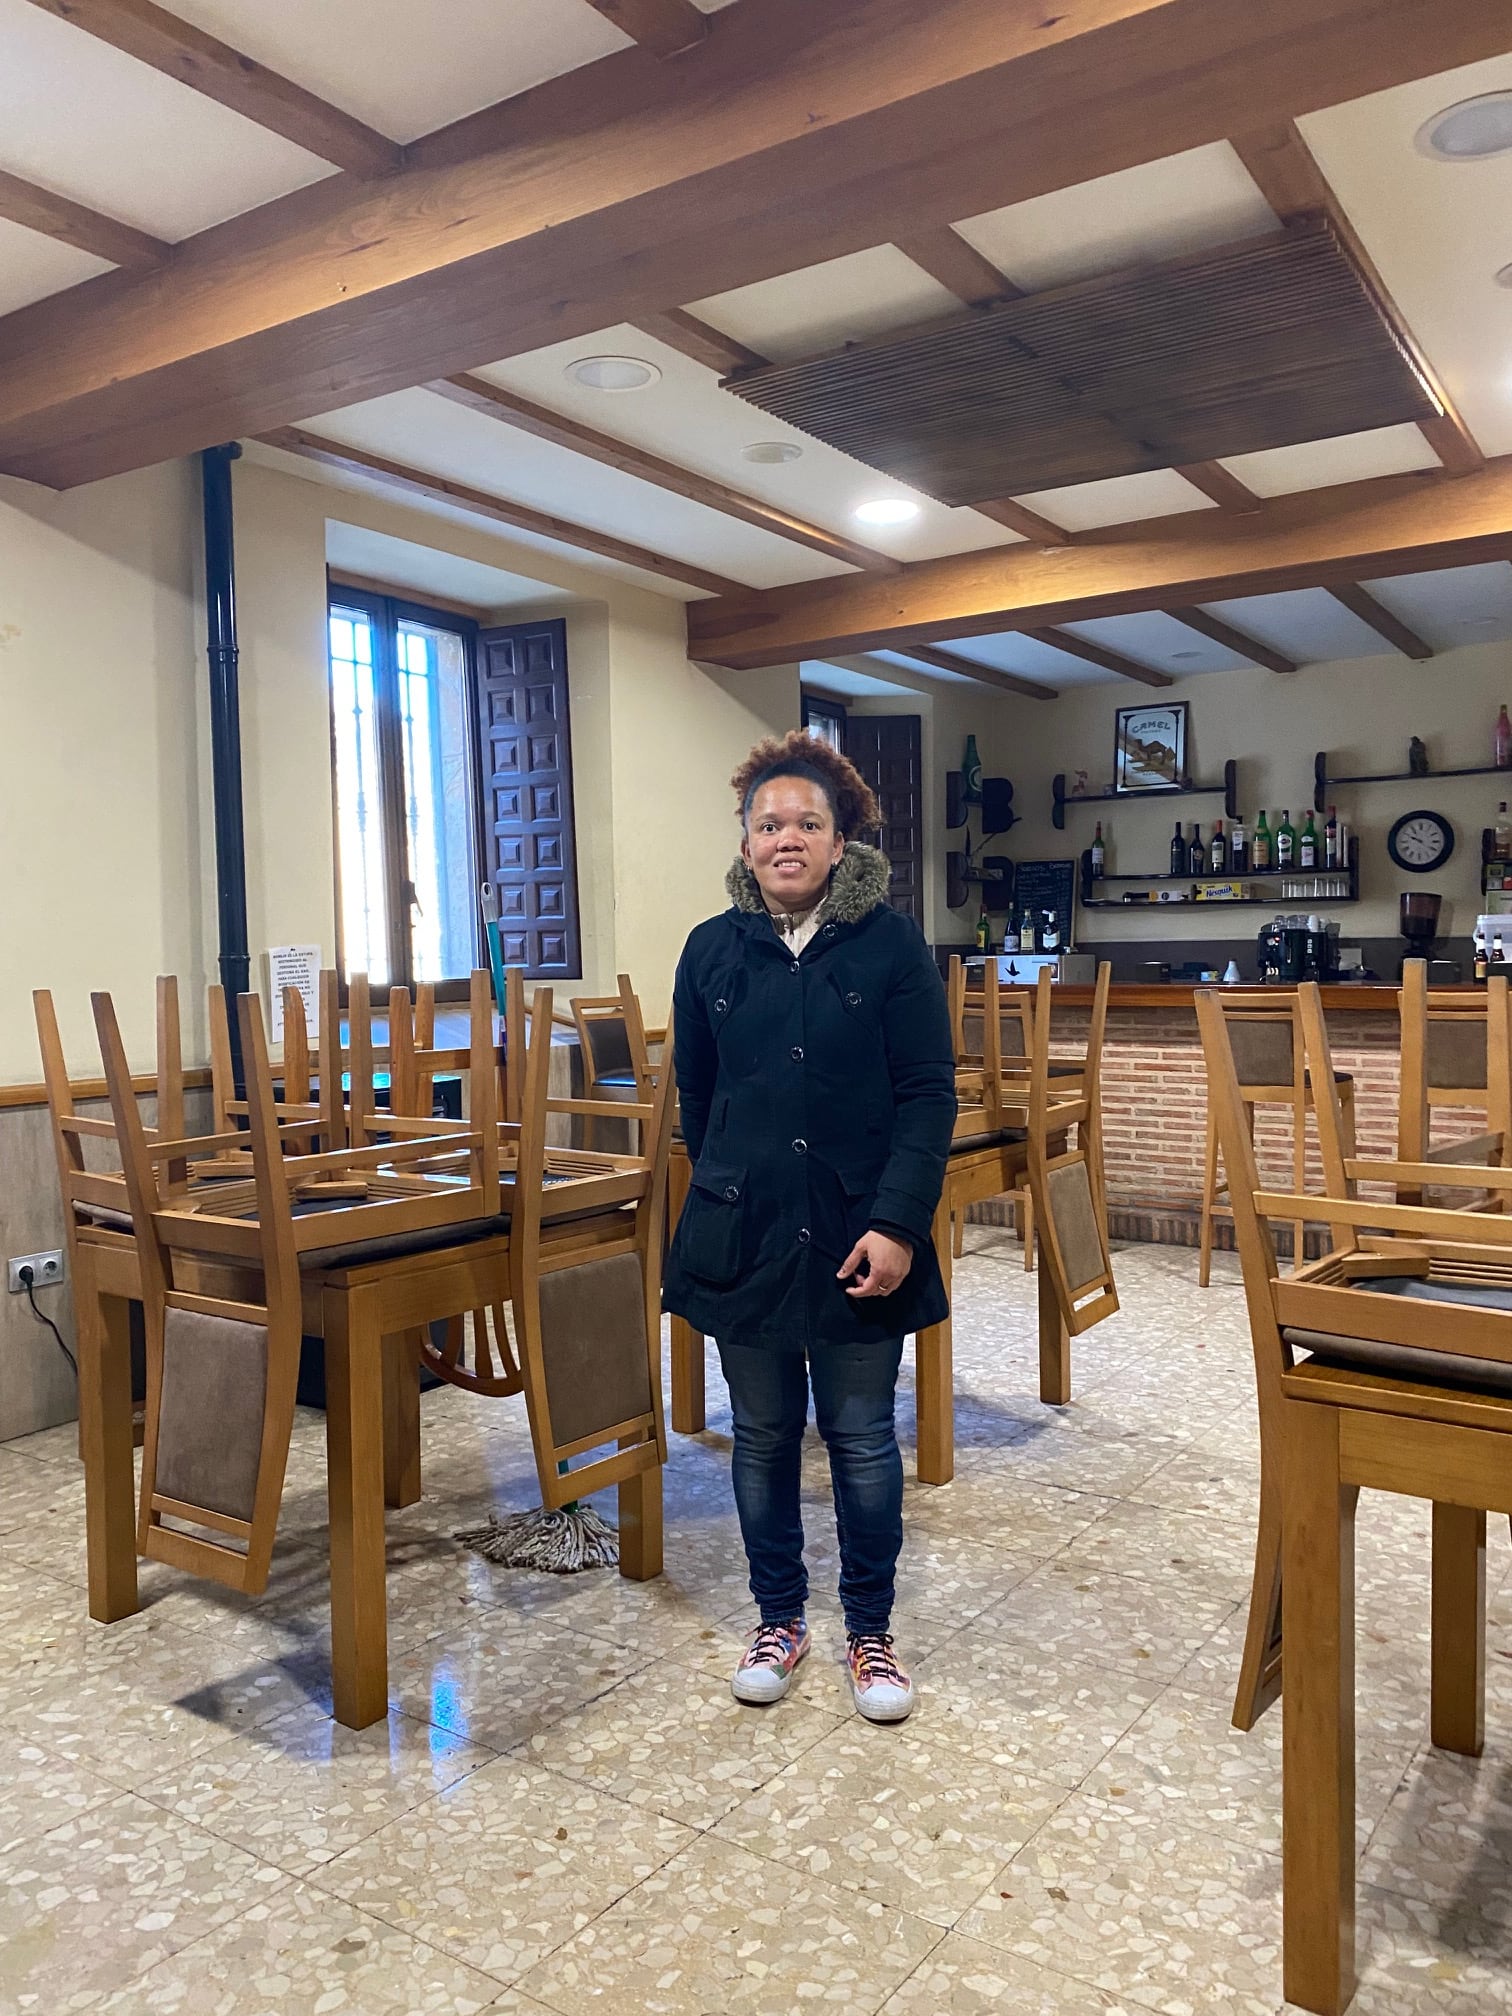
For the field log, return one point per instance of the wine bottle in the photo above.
(1099, 854)
(1217, 849)
(1178, 852)
(1028, 936)
(1052, 932)
(1238, 848)
(1010, 934)
(1286, 842)
(1307, 844)
(1480, 951)
(1196, 852)
(1503, 743)
(983, 933)
(1502, 841)
(971, 773)
(1260, 852)
(1331, 840)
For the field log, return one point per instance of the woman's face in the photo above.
(790, 842)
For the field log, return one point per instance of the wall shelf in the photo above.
(1323, 780)
(1350, 872)
(1228, 790)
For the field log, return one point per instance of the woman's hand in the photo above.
(887, 1261)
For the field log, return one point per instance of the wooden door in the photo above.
(885, 748)
(525, 750)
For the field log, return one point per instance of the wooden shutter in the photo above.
(525, 749)
(885, 748)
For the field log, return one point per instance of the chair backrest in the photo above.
(1264, 1033)
(1456, 1050)
(324, 1105)
(965, 1002)
(585, 1278)
(1064, 1178)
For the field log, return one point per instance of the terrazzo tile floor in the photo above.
(567, 1811)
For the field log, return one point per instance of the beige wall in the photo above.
(1362, 710)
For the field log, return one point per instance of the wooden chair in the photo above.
(1065, 1178)
(1386, 1364)
(1265, 1031)
(222, 1371)
(1016, 1039)
(612, 1043)
(1455, 1052)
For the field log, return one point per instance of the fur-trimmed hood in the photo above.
(857, 886)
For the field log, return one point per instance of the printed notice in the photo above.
(292, 966)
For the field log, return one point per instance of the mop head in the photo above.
(555, 1543)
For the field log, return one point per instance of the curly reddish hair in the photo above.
(852, 802)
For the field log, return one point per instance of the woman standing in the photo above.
(817, 1089)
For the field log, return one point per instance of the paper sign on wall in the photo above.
(292, 966)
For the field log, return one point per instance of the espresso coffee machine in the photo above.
(1281, 953)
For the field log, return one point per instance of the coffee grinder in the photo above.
(1419, 916)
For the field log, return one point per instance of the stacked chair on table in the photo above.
(1386, 1364)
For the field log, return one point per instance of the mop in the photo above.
(574, 1537)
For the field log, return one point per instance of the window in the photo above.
(825, 719)
(452, 766)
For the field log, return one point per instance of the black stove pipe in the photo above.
(225, 737)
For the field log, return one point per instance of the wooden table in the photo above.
(972, 1174)
(372, 1431)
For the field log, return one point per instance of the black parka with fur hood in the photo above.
(817, 1099)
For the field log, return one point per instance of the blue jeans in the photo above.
(854, 1385)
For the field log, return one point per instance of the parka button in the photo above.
(720, 1007)
(732, 1195)
(829, 930)
(796, 1053)
(800, 1147)
(853, 1000)
(803, 1235)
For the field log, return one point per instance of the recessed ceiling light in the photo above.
(771, 451)
(887, 511)
(613, 374)
(1469, 131)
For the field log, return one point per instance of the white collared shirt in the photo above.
(796, 927)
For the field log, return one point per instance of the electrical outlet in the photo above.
(46, 1271)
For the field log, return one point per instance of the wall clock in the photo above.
(1420, 842)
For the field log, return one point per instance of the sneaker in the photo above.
(883, 1691)
(770, 1661)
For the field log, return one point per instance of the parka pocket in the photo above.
(708, 1232)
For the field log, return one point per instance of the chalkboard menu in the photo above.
(1047, 885)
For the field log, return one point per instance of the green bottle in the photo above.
(1286, 842)
(1260, 846)
(1307, 845)
(971, 773)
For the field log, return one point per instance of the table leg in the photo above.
(1458, 1713)
(354, 1443)
(1054, 1344)
(105, 1443)
(689, 1408)
(1317, 1714)
(934, 1402)
(640, 1525)
(401, 1419)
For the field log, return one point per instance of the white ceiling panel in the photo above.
(821, 307)
(455, 514)
(1348, 458)
(32, 266)
(80, 118)
(1307, 624)
(1025, 656)
(1158, 640)
(687, 419)
(1438, 230)
(1119, 500)
(444, 439)
(1185, 203)
(401, 70)
(845, 683)
(426, 570)
(1459, 605)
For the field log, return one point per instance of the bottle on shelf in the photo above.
(1480, 951)
(1179, 852)
(1286, 843)
(1217, 849)
(1307, 844)
(1238, 849)
(1331, 840)
(971, 773)
(1260, 847)
(1028, 936)
(1498, 950)
(1503, 740)
(1501, 845)
(983, 933)
(1099, 854)
(1052, 932)
(1010, 934)
(1196, 852)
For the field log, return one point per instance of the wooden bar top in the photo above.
(1364, 997)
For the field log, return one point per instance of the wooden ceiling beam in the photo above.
(410, 482)
(1214, 481)
(1019, 518)
(180, 50)
(1380, 619)
(56, 216)
(941, 252)
(1285, 170)
(986, 675)
(1330, 538)
(602, 195)
(1238, 641)
(1098, 654)
(480, 395)
(665, 27)
(699, 340)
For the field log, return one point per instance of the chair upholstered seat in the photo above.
(1405, 1361)
(992, 1138)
